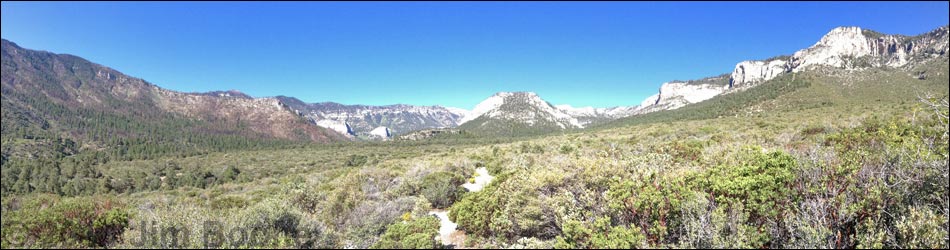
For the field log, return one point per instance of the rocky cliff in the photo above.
(677, 94)
(850, 48)
(844, 47)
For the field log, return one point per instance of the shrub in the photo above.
(441, 188)
(683, 151)
(528, 148)
(922, 228)
(229, 174)
(761, 182)
(228, 202)
(369, 219)
(418, 233)
(475, 211)
(356, 160)
(316, 235)
(48, 221)
(600, 235)
(504, 213)
(651, 204)
(814, 130)
(566, 149)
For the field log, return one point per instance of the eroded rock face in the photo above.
(336, 125)
(847, 47)
(381, 132)
(676, 94)
(751, 72)
(833, 49)
(853, 47)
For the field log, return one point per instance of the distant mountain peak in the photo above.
(510, 110)
(511, 93)
(496, 101)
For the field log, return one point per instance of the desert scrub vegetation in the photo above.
(417, 233)
(41, 221)
(853, 173)
(836, 185)
(816, 181)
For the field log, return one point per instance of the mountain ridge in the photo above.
(843, 47)
(851, 48)
(49, 96)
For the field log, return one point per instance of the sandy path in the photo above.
(448, 233)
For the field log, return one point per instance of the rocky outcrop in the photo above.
(853, 47)
(850, 48)
(336, 125)
(380, 132)
(843, 47)
(676, 94)
(834, 49)
(751, 72)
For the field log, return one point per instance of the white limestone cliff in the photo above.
(381, 132)
(750, 72)
(847, 47)
(833, 48)
(339, 126)
(676, 94)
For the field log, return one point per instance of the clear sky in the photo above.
(455, 54)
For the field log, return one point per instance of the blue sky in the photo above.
(456, 54)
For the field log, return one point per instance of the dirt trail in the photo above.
(448, 233)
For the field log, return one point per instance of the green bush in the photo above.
(683, 151)
(418, 233)
(577, 235)
(442, 189)
(922, 228)
(47, 221)
(529, 148)
(228, 202)
(475, 211)
(566, 149)
(814, 130)
(653, 203)
(761, 182)
(230, 174)
(356, 160)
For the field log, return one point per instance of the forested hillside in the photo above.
(62, 115)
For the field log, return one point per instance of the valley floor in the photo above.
(868, 172)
